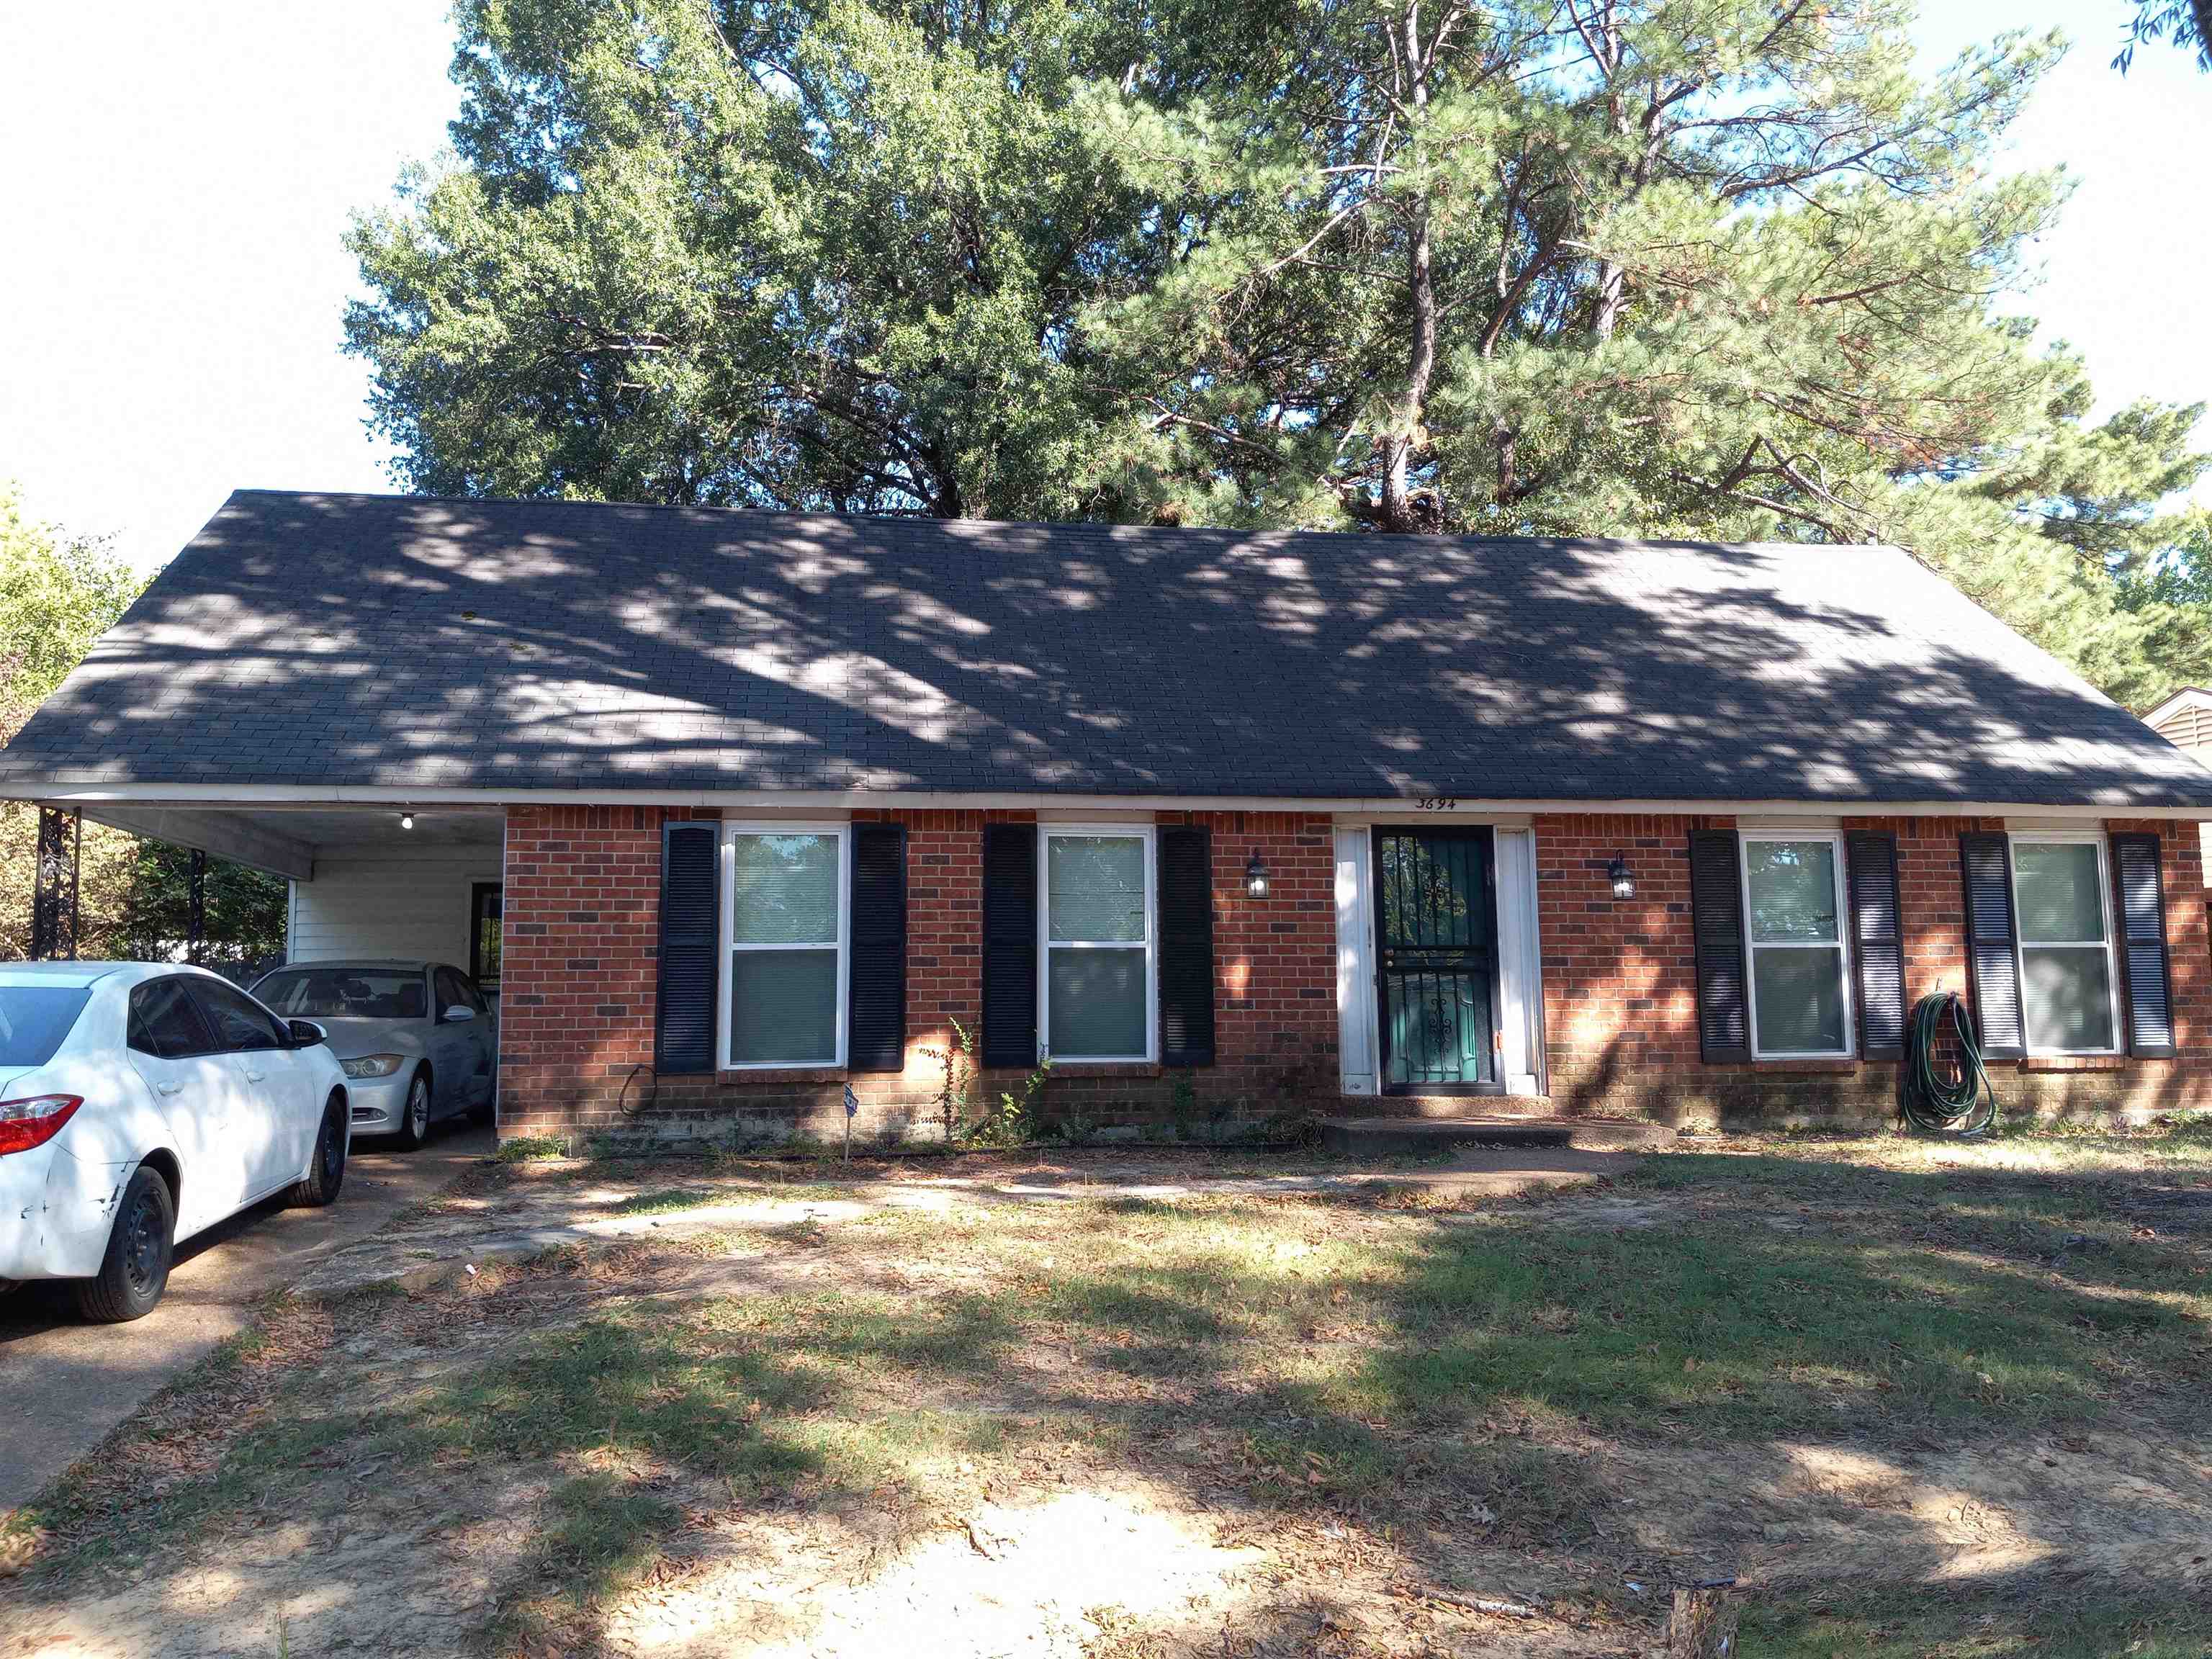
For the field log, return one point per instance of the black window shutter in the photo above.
(1716, 913)
(1878, 943)
(2142, 934)
(875, 1036)
(683, 1023)
(1185, 901)
(1986, 867)
(1009, 944)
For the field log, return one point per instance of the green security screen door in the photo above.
(1435, 923)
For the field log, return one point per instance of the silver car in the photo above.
(417, 1041)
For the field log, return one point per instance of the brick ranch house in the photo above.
(1230, 825)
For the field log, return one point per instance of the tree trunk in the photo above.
(1612, 290)
(1612, 279)
(1701, 1625)
(1398, 513)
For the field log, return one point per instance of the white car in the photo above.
(141, 1103)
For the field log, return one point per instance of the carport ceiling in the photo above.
(285, 841)
(358, 826)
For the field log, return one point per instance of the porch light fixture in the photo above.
(1255, 876)
(1622, 878)
(406, 820)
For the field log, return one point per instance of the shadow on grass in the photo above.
(1445, 1379)
(2035, 1617)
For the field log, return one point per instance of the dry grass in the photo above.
(1920, 1400)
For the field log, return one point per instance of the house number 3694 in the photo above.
(1437, 802)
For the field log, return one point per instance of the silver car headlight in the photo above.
(373, 1064)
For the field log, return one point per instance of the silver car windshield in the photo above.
(34, 1020)
(345, 994)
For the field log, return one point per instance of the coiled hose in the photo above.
(1939, 1099)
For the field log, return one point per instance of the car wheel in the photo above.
(326, 1173)
(140, 1246)
(414, 1116)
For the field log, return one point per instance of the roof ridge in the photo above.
(1093, 526)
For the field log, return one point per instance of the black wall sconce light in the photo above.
(1622, 878)
(1255, 876)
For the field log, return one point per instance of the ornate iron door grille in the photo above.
(1436, 909)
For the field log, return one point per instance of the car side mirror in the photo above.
(306, 1034)
(456, 1014)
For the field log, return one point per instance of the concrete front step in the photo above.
(1368, 1135)
(1456, 1108)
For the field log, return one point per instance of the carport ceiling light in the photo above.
(406, 820)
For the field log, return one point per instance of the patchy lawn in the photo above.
(1919, 1399)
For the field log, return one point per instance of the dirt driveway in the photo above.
(68, 1384)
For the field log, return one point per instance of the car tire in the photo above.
(415, 1115)
(326, 1170)
(141, 1245)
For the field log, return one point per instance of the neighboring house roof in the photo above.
(515, 645)
(2186, 719)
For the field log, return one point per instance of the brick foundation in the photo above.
(582, 903)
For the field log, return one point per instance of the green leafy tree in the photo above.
(244, 919)
(819, 255)
(57, 595)
(1703, 268)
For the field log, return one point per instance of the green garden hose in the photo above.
(1961, 1104)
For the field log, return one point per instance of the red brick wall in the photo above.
(1274, 962)
(1621, 1011)
(1274, 966)
(1620, 987)
(1619, 994)
(582, 931)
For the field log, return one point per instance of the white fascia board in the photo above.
(1411, 813)
(273, 795)
(1784, 823)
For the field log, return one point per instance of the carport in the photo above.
(367, 879)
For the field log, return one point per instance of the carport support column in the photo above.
(54, 887)
(196, 923)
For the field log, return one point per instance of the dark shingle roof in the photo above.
(522, 645)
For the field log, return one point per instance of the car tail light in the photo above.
(35, 1120)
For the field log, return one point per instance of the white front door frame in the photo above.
(1520, 957)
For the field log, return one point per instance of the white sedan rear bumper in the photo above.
(55, 1213)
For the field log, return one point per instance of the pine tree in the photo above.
(1727, 268)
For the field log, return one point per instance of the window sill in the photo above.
(2073, 1063)
(1108, 1068)
(1810, 1063)
(733, 1075)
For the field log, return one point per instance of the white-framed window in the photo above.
(1793, 913)
(1097, 961)
(786, 927)
(2061, 898)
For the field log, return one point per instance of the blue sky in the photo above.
(178, 179)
